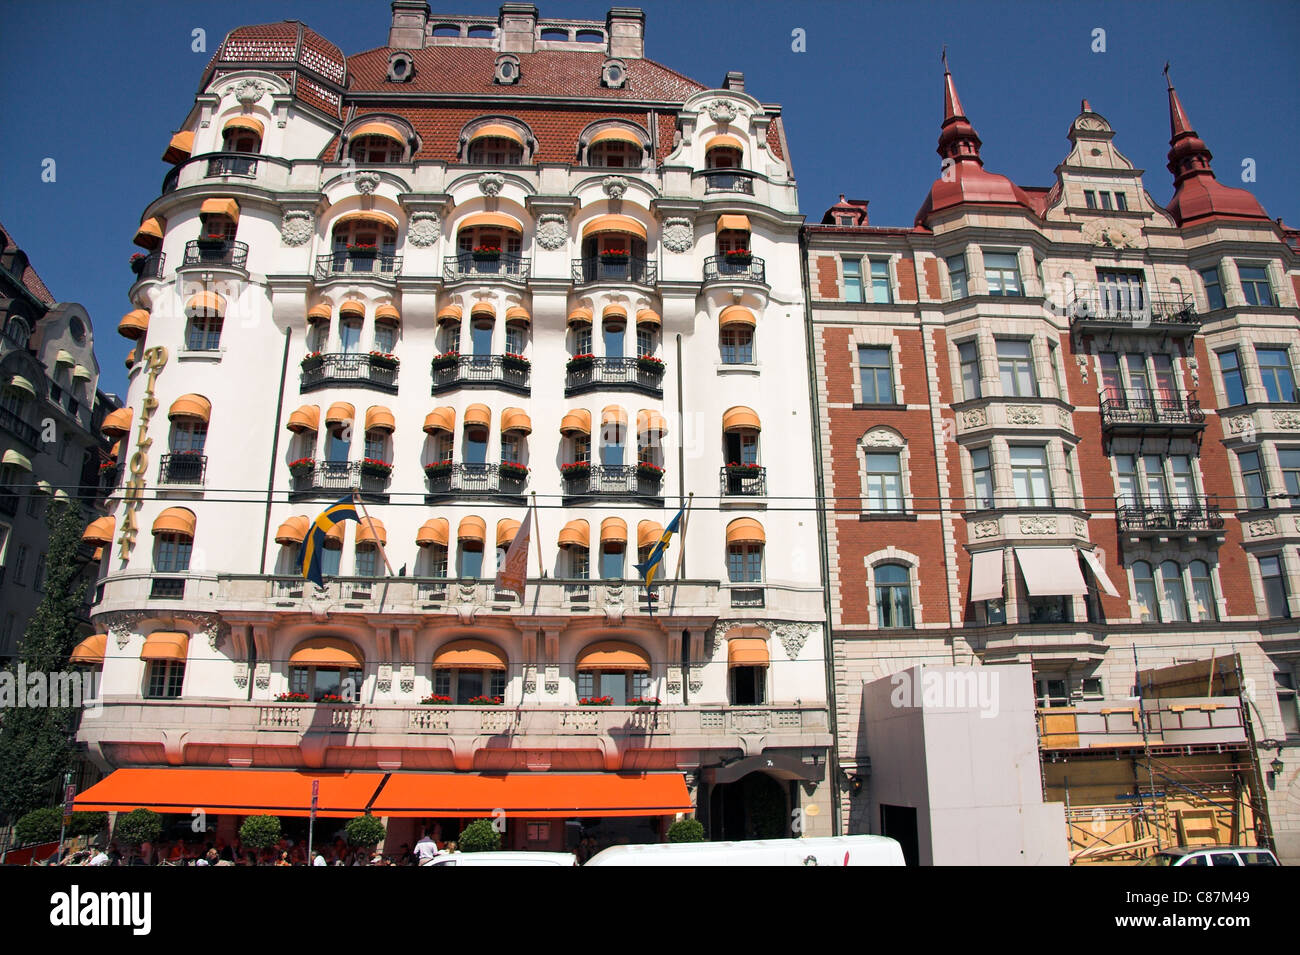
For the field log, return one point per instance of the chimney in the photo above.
(734, 81)
(410, 18)
(626, 28)
(518, 22)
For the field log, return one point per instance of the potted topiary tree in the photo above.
(260, 832)
(686, 830)
(137, 826)
(39, 825)
(479, 836)
(364, 832)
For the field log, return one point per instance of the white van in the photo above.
(822, 850)
(504, 858)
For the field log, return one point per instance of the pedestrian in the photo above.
(426, 848)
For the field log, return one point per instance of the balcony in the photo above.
(271, 170)
(627, 270)
(727, 180)
(476, 480)
(348, 368)
(324, 478)
(215, 254)
(20, 429)
(747, 597)
(722, 268)
(232, 164)
(1141, 412)
(381, 266)
(482, 371)
(149, 266)
(183, 468)
(167, 588)
(1179, 516)
(614, 374)
(109, 477)
(507, 266)
(1128, 310)
(612, 482)
(743, 479)
(1107, 725)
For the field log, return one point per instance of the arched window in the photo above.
(615, 154)
(241, 135)
(490, 244)
(364, 244)
(615, 670)
(736, 335)
(1202, 591)
(326, 669)
(722, 156)
(172, 553)
(495, 151)
(612, 251)
(470, 672)
(1175, 595)
(613, 436)
(375, 149)
(17, 331)
(893, 596)
(1144, 590)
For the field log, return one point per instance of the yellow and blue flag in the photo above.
(344, 509)
(654, 560)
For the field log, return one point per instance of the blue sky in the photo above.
(99, 87)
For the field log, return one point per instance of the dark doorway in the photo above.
(899, 822)
(754, 807)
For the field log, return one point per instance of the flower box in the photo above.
(596, 701)
(485, 701)
(383, 359)
(654, 366)
(739, 256)
(513, 469)
(644, 701)
(137, 262)
(292, 698)
(302, 466)
(576, 469)
(212, 242)
(375, 466)
(614, 256)
(580, 362)
(647, 470)
(486, 253)
(314, 360)
(509, 360)
(332, 698)
(362, 251)
(446, 360)
(438, 468)
(435, 700)
(734, 468)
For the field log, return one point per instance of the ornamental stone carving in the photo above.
(721, 111)
(406, 678)
(1080, 527)
(1038, 525)
(262, 676)
(696, 680)
(1261, 528)
(1082, 362)
(1238, 424)
(1286, 420)
(1194, 367)
(384, 678)
(296, 227)
(1024, 414)
(210, 626)
(614, 186)
(249, 92)
(367, 182)
(121, 625)
(530, 685)
(882, 438)
(1112, 235)
(424, 229)
(241, 675)
(793, 636)
(678, 235)
(986, 529)
(973, 418)
(552, 231)
(1063, 417)
(491, 183)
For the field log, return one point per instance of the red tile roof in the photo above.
(31, 281)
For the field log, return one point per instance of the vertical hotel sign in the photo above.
(155, 359)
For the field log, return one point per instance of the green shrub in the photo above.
(88, 823)
(137, 826)
(39, 825)
(260, 832)
(479, 836)
(686, 830)
(365, 831)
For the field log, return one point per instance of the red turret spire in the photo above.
(958, 140)
(1188, 154)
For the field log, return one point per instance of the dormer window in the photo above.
(613, 74)
(400, 68)
(495, 151)
(723, 152)
(507, 70)
(377, 141)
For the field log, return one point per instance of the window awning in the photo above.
(380, 418)
(180, 147)
(449, 314)
(220, 207)
(507, 528)
(64, 357)
(745, 530)
(517, 313)
(1051, 571)
(483, 308)
(478, 415)
(614, 223)
(740, 418)
(516, 419)
(150, 233)
(306, 418)
(117, 423)
(651, 422)
(82, 373)
(240, 792)
(334, 536)
(1098, 571)
(649, 317)
(193, 407)
(576, 422)
(613, 530)
(21, 384)
(440, 420)
(613, 311)
(576, 533)
(748, 652)
(469, 655)
(15, 459)
(497, 131)
(614, 655)
(433, 531)
(369, 215)
(134, 324)
(388, 313)
(206, 304)
(319, 313)
(472, 528)
(294, 530)
(648, 534)
(724, 142)
(613, 414)
(733, 221)
(91, 650)
(246, 122)
(580, 316)
(166, 645)
(371, 530)
(497, 220)
(615, 136)
(340, 413)
(326, 652)
(986, 569)
(352, 307)
(377, 127)
(736, 315)
(100, 530)
(530, 795)
(175, 520)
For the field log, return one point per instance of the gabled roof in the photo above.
(31, 281)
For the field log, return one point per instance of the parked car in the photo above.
(504, 858)
(822, 850)
(1213, 855)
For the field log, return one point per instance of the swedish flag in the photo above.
(656, 557)
(341, 510)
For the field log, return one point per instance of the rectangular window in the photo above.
(1002, 271)
(517, 337)
(1255, 285)
(1029, 476)
(1275, 370)
(367, 561)
(329, 561)
(1121, 291)
(385, 337)
(645, 342)
(1289, 460)
(1105, 200)
(173, 553)
(969, 356)
(853, 280)
(20, 564)
(737, 346)
(1233, 388)
(510, 445)
(1275, 593)
(982, 477)
(204, 334)
(350, 336)
(471, 562)
(881, 293)
(745, 563)
(582, 340)
(1213, 288)
(1090, 198)
(1252, 479)
(1051, 692)
(38, 578)
(611, 564)
(1121, 202)
(1016, 369)
(165, 679)
(876, 372)
(1092, 685)
(375, 445)
(957, 275)
(884, 484)
(1287, 702)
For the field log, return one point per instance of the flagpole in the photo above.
(686, 519)
(356, 499)
(541, 567)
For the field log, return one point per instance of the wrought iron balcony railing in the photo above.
(510, 266)
(379, 265)
(619, 480)
(217, 164)
(728, 180)
(724, 268)
(19, 428)
(747, 596)
(109, 477)
(182, 468)
(167, 588)
(331, 476)
(481, 371)
(477, 480)
(350, 368)
(1135, 309)
(149, 266)
(743, 479)
(1143, 409)
(630, 269)
(232, 164)
(215, 253)
(632, 374)
(1188, 515)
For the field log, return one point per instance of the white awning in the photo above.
(1098, 571)
(986, 575)
(1051, 571)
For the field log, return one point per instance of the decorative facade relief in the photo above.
(262, 676)
(793, 635)
(678, 235)
(1024, 414)
(696, 681)
(882, 438)
(296, 227)
(249, 92)
(1286, 420)
(552, 231)
(491, 183)
(384, 678)
(986, 529)
(972, 418)
(1082, 362)
(366, 182)
(552, 681)
(424, 229)
(120, 626)
(1038, 525)
(614, 186)
(241, 675)
(209, 625)
(721, 111)
(1262, 528)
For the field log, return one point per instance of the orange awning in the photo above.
(365, 535)
(613, 311)
(380, 418)
(614, 655)
(334, 536)
(220, 207)
(576, 533)
(175, 520)
(166, 645)
(517, 313)
(613, 223)
(246, 122)
(516, 419)
(507, 528)
(530, 795)
(736, 315)
(497, 219)
(745, 530)
(440, 419)
(378, 127)
(100, 530)
(180, 147)
(613, 530)
(388, 313)
(478, 415)
(576, 422)
(134, 324)
(306, 418)
(472, 528)
(326, 652)
(650, 422)
(748, 652)
(648, 534)
(497, 130)
(239, 792)
(91, 650)
(724, 142)
(449, 314)
(340, 413)
(192, 407)
(648, 316)
(733, 221)
(740, 418)
(150, 233)
(580, 316)
(293, 530)
(207, 305)
(616, 136)
(469, 655)
(613, 414)
(433, 531)
(352, 307)
(483, 308)
(318, 313)
(117, 423)
(369, 215)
